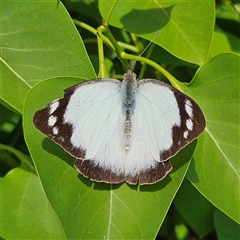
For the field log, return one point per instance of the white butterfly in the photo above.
(122, 131)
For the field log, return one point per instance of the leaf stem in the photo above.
(138, 44)
(110, 11)
(172, 79)
(102, 69)
(93, 30)
(117, 47)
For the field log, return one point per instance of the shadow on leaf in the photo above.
(146, 21)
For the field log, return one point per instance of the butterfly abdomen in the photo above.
(128, 92)
(127, 130)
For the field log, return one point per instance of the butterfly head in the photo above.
(130, 77)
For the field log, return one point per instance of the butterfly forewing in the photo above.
(78, 119)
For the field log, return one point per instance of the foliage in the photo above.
(43, 52)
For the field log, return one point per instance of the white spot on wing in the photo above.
(185, 134)
(189, 124)
(53, 107)
(188, 108)
(61, 139)
(52, 120)
(55, 131)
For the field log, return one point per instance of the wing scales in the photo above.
(151, 132)
(178, 119)
(98, 123)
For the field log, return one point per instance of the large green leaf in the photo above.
(195, 209)
(186, 26)
(226, 228)
(38, 41)
(70, 205)
(25, 210)
(88, 210)
(224, 42)
(215, 168)
(85, 8)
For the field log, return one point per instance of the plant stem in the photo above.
(92, 30)
(172, 79)
(102, 70)
(116, 46)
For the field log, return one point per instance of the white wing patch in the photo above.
(95, 112)
(188, 107)
(54, 105)
(55, 130)
(52, 120)
(155, 114)
(189, 124)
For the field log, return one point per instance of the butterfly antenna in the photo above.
(157, 33)
(113, 51)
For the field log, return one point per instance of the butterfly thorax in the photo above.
(128, 91)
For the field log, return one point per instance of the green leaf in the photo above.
(24, 204)
(227, 11)
(85, 8)
(7, 117)
(226, 228)
(38, 41)
(214, 170)
(228, 17)
(224, 42)
(88, 210)
(177, 21)
(195, 209)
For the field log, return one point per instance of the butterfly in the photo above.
(122, 130)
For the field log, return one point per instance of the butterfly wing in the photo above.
(88, 124)
(165, 120)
